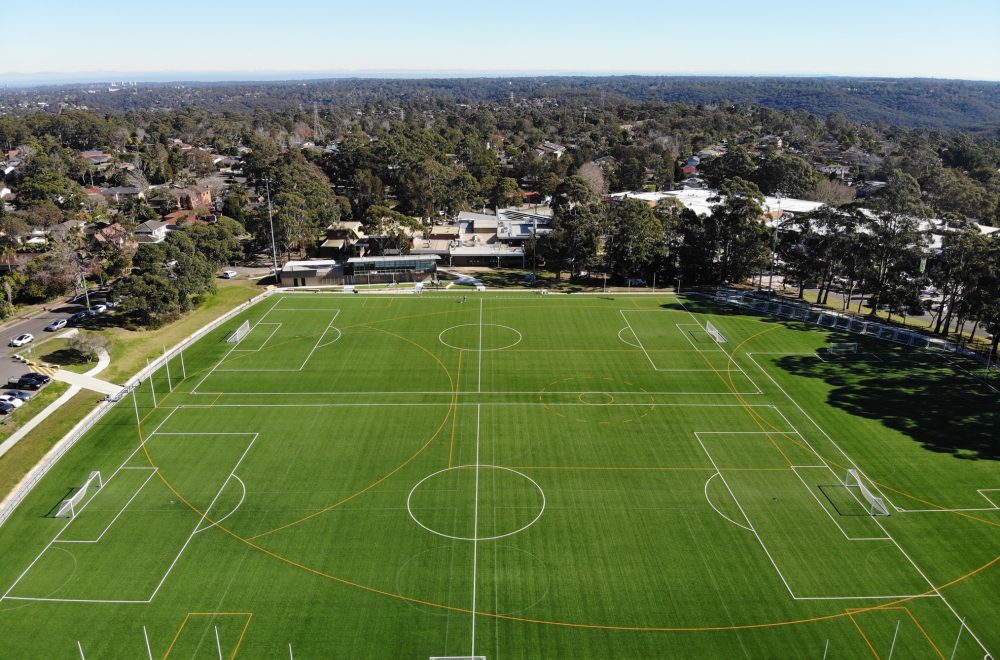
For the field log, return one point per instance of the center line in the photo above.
(475, 538)
(479, 388)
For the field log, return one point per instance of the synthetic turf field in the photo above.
(519, 476)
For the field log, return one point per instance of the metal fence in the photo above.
(808, 313)
(30, 480)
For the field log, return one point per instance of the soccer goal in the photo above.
(842, 349)
(876, 507)
(68, 507)
(716, 335)
(240, 333)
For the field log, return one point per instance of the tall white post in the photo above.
(183, 368)
(170, 384)
(152, 387)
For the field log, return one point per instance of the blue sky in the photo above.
(953, 39)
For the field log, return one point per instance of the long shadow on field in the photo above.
(939, 406)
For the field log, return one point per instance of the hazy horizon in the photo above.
(303, 39)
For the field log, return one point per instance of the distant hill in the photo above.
(944, 104)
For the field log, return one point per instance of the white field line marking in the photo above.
(768, 553)
(80, 647)
(479, 388)
(203, 516)
(473, 403)
(218, 642)
(128, 458)
(238, 505)
(827, 511)
(77, 600)
(450, 393)
(308, 356)
(149, 649)
(731, 359)
(638, 340)
(625, 341)
(709, 500)
(277, 326)
(731, 356)
(475, 525)
(229, 352)
(933, 587)
(742, 511)
(152, 474)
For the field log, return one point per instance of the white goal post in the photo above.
(842, 349)
(67, 508)
(716, 335)
(876, 507)
(240, 333)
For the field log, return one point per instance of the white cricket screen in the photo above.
(240, 333)
(69, 506)
(876, 506)
(716, 335)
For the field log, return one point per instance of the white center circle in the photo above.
(476, 537)
(476, 337)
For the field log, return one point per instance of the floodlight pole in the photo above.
(270, 219)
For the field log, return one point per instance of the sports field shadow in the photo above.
(942, 407)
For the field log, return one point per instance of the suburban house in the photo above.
(118, 193)
(96, 157)
(193, 198)
(341, 239)
(151, 231)
(114, 234)
(482, 239)
(553, 149)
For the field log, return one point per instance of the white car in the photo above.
(229, 274)
(12, 400)
(21, 340)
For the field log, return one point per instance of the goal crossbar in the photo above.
(842, 348)
(876, 506)
(716, 334)
(68, 507)
(240, 333)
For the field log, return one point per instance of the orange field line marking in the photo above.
(860, 630)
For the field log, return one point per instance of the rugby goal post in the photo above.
(716, 334)
(240, 333)
(68, 507)
(876, 506)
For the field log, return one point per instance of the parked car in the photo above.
(20, 394)
(6, 408)
(30, 381)
(21, 340)
(12, 400)
(76, 318)
(229, 274)
(99, 309)
(57, 324)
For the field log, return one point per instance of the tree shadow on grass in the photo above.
(65, 357)
(923, 396)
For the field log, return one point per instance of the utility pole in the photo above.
(774, 249)
(270, 218)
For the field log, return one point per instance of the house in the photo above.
(693, 161)
(188, 217)
(193, 198)
(838, 171)
(151, 231)
(118, 193)
(689, 170)
(114, 234)
(342, 239)
(553, 149)
(96, 157)
(4, 192)
(770, 142)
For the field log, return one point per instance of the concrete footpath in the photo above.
(77, 382)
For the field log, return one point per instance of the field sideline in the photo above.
(520, 476)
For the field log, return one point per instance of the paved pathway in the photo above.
(103, 361)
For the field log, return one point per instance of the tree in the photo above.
(89, 344)
(735, 163)
(635, 238)
(573, 242)
(787, 175)
(367, 191)
(742, 237)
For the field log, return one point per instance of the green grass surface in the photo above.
(526, 476)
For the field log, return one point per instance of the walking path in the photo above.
(84, 381)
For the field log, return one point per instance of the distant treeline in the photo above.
(942, 104)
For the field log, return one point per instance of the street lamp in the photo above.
(270, 218)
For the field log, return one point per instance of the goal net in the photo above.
(69, 506)
(842, 349)
(240, 333)
(876, 507)
(716, 335)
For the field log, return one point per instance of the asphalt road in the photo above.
(35, 325)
